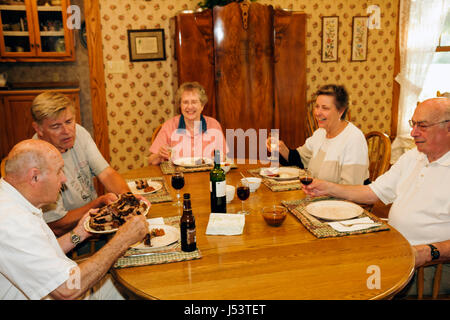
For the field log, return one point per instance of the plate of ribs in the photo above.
(110, 217)
(160, 235)
(142, 186)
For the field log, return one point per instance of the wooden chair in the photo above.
(379, 146)
(2, 168)
(436, 281)
(155, 133)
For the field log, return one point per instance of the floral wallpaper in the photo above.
(141, 98)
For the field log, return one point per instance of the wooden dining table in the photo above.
(268, 263)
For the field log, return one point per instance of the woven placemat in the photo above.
(167, 254)
(320, 228)
(162, 195)
(275, 185)
(167, 167)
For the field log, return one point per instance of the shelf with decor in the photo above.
(34, 32)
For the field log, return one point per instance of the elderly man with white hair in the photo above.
(418, 186)
(33, 264)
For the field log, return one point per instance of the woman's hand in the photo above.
(165, 152)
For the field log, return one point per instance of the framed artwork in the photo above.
(359, 38)
(146, 44)
(330, 31)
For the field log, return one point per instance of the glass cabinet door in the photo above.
(51, 33)
(16, 29)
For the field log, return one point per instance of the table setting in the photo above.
(279, 178)
(328, 217)
(160, 192)
(193, 164)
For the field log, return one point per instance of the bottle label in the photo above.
(221, 187)
(191, 237)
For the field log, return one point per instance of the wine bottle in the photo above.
(187, 226)
(217, 186)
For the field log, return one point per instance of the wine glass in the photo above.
(274, 144)
(178, 184)
(243, 192)
(306, 178)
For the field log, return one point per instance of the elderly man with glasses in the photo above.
(418, 186)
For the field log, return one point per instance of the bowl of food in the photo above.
(252, 182)
(230, 193)
(274, 215)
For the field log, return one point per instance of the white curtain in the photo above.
(421, 23)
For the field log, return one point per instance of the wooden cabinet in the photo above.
(15, 122)
(33, 32)
(251, 59)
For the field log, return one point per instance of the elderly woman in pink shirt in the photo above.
(189, 134)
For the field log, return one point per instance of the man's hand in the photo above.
(133, 230)
(317, 188)
(105, 200)
(422, 255)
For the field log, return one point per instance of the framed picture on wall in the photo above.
(146, 44)
(359, 38)
(330, 32)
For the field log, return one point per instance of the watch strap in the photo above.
(435, 254)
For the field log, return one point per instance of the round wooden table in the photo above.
(286, 262)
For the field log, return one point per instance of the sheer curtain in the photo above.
(421, 23)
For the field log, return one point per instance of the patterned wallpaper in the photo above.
(142, 98)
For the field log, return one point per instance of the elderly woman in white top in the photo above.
(337, 151)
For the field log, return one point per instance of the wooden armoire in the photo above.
(251, 60)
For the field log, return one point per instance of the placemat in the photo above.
(167, 167)
(320, 228)
(162, 195)
(162, 255)
(275, 185)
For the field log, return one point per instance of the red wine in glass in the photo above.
(243, 192)
(306, 180)
(177, 184)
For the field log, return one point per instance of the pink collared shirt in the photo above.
(186, 144)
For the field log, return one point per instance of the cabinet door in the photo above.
(16, 30)
(52, 36)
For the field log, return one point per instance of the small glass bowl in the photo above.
(274, 215)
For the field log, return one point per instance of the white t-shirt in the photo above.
(81, 164)
(420, 192)
(32, 264)
(343, 159)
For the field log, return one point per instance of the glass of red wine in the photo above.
(306, 178)
(178, 184)
(243, 192)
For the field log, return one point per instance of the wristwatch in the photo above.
(74, 238)
(435, 254)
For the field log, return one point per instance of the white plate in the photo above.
(284, 173)
(192, 162)
(172, 235)
(89, 229)
(156, 185)
(334, 210)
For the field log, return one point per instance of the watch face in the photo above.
(75, 238)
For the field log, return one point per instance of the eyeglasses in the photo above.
(422, 126)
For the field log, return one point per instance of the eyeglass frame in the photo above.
(420, 126)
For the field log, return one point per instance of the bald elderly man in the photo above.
(33, 264)
(418, 186)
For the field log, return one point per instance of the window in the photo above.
(437, 76)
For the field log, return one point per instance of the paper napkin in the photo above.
(225, 224)
(356, 224)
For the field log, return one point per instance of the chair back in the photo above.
(155, 133)
(436, 280)
(379, 146)
(2, 168)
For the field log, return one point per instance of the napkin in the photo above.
(152, 221)
(225, 224)
(357, 224)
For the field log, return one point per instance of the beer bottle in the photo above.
(217, 186)
(187, 226)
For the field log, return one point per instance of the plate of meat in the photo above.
(160, 235)
(110, 217)
(280, 174)
(143, 186)
(193, 162)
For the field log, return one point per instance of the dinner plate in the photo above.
(193, 162)
(280, 174)
(89, 229)
(155, 185)
(171, 235)
(334, 210)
